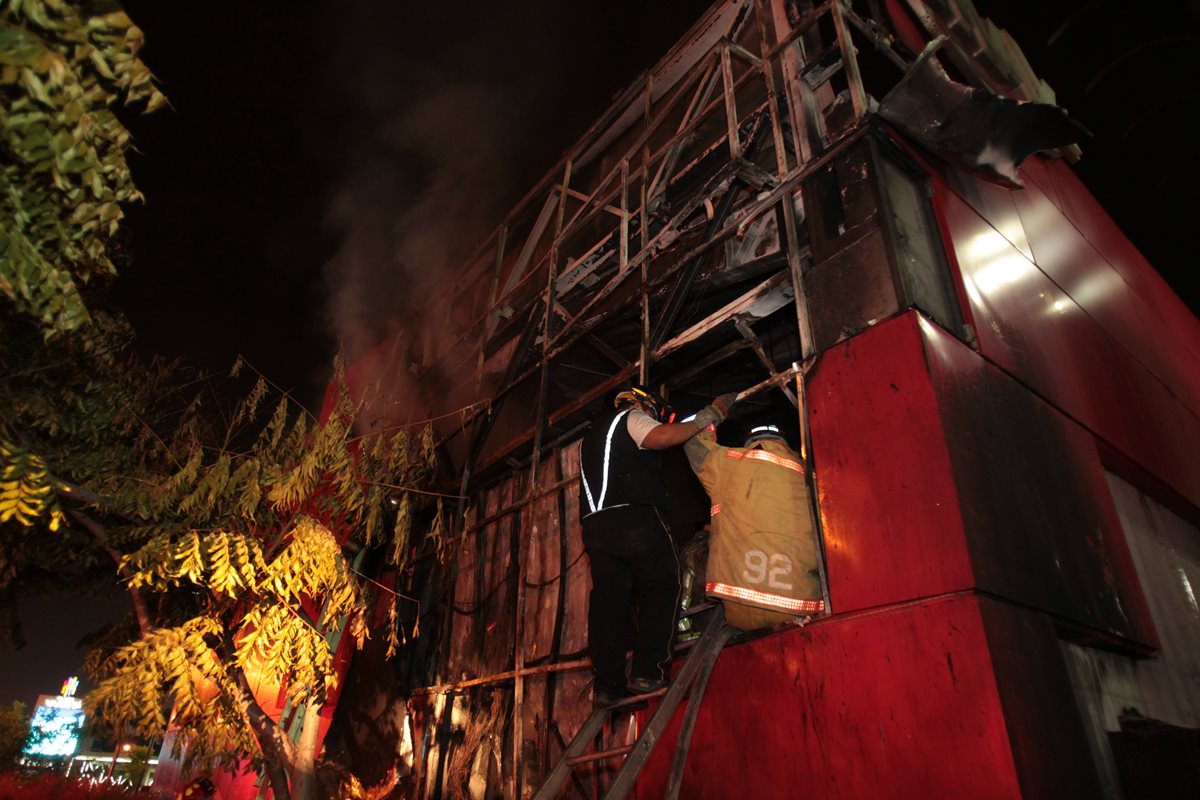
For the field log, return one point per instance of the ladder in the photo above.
(693, 675)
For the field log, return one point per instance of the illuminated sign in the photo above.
(57, 720)
(55, 727)
(61, 702)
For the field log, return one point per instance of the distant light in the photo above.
(126, 747)
(69, 687)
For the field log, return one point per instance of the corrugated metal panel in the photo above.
(481, 624)
(1045, 730)
(1104, 683)
(1166, 551)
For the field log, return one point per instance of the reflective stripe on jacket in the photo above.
(762, 557)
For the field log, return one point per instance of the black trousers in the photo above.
(633, 565)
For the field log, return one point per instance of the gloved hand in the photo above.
(715, 412)
(724, 403)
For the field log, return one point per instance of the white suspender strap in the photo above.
(593, 504)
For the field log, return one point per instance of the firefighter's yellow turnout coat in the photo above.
(762, 557)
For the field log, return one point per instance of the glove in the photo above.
(724, 403)
(715, 412)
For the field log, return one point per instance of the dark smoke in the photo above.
(447, 114)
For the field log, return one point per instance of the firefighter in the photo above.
(622, 507)
(762, 556)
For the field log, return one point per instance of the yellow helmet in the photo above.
(639, 394)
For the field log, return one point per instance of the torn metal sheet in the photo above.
(974, 128)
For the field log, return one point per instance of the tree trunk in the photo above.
(277, 756)
(304, 784)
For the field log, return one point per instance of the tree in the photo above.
(64, 66)
(236, 526)
(249, 534)
(79, 417)
(229, 530)
(139, 765)
(14, 733)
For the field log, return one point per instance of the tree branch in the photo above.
(86, 496)
(101, 536)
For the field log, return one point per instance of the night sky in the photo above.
(316, 154)
(308, 145)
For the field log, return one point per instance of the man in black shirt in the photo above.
(622, 507)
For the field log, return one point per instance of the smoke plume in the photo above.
(446, 115)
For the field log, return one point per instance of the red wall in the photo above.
(918, 686)
(889, 507)
(899, 703)
(938, 472)
(1061, 300)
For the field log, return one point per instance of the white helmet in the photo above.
(760, 432)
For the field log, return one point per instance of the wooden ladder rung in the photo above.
(600, 756)
(634, 699)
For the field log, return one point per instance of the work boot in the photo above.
(606, 698)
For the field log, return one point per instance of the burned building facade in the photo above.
(997, 395)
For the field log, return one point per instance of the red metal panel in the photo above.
(1094, 364)
(1035, 171)
(1167, 452)
(1074, 264)
(888, 502)
(999, 282)
(1067, 258)
(1100, 362)
(897, 703)
(1031, 489)
(1170, 325)
(912, 36)
(995, 204)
